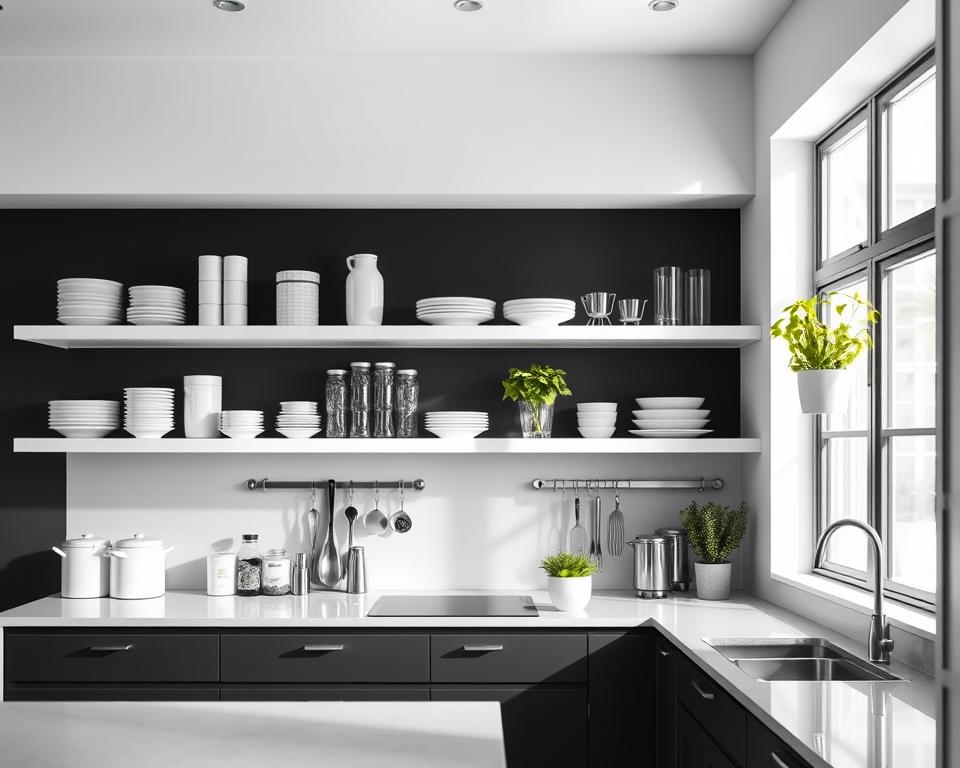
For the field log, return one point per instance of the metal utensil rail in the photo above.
(699, 484)
(291, 485)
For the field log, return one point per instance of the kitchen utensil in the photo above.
(85, 567)
(596, 551)
(364, 290)
(400, 521)
(667, 295)
(221, 573)
(330, 570)
(696, 294)
(313, 520)
(138, 568)
(598, 306)
(631, 310)
(615, 528)
(578, 534)
(202, 396)
(351, 514)
(356, 571)
(651, 568)
(375, 521)
(301, 575)
(678, 556)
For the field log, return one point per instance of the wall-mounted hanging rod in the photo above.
(699, 484)
(288, 485)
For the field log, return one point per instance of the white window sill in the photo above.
(913, 620)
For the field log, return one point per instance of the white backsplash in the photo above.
(478, 525)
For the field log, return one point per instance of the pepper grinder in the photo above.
(301, 577)
(356, 571)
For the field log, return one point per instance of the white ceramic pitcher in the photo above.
(364, 290)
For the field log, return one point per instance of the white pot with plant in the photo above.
(569, 579)
(715, 532)
(822, 353)
(535, 389)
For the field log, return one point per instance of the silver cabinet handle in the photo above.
(663, 652)
(111, 648)
(322, 647)
(703, 694)
(482, 648)
(779, 761)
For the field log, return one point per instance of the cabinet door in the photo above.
(718, 713)
(325, 693)
(691, 741)
(542, 724)
(621, 695)
(665, 659)
(766, 750)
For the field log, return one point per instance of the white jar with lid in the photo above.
(138, 568)
(84, 567)
(298, 297)
(202, 403)
(222, 573)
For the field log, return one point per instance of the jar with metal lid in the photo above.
(383, 399)
(275, 572)
(651, 567)
(359, 399)
(248, 566)
(336, 397)
(679, 557)
(407, 398)
(298, 297)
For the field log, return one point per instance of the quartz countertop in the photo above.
(225, 734)
(836, 724)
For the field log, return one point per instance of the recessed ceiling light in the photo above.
(229, 5)
(663, 5)
(468, 5)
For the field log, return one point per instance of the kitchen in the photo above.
(496, 154)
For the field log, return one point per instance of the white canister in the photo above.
(138, 568)
(202, 403)
(235, 268)
(222, 573)
(364, 290)
(298, 297)
(84, 568)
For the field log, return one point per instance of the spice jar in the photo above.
(336, 402)
(248, 566)
(407, 398)
(383, 399)
(359, 399)
(275, 572)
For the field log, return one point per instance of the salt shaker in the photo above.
(359, 399)
(336, 397)
(383, 399)
(407, 398)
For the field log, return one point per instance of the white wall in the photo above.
(367, 130)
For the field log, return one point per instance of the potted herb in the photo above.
(820, 354)
(569, 579)
(715, 532)
(536, 388)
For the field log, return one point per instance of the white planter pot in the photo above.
(570, 594)
(138, 568)
(713, 580)
(823, 391)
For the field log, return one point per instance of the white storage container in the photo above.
(202, 403)
(85, 567)
(298, 297)
(138, 568)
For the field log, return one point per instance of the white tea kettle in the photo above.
(138, 568)
(84, 569)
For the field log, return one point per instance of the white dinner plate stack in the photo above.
(540, 312)
(84, 418)
(241, 424)
(89, 301)
(148, 411)
(298, 419)
(156, 305)
(596, 421)
(455, 310)
(457, 424)
(670, 417)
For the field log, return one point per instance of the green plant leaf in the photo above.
(567, 565)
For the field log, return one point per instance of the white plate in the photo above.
(671, 423)
(242, 434)
(671, 413)
(561, 302)
(595, 407)
(457, 413)
(88, 320)
(661, 403)
(460, 300)
(84, 432)
(453, 434)
(596, 433)
(91, 281)
(670, 432)
(156, 322)
(541, 321)
(147, 432)
(299, 434)
(458, 320)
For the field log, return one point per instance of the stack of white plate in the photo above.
(670, 417)
(597, 421)
(89, 301)
(457, 424)
(148, 411)
(298, 418)
(241, 424)
(455, 310)
(84, 418)
(539, 311)
(156, 305)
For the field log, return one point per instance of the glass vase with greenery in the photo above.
(535, 389)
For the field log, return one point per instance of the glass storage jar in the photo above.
(248, 566)
(359, 399)
(336, 397)
(407, 398)
(275, 572)
(383, 399)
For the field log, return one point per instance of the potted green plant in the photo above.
(536, 388)
(820, 354)
(569, 579)
(715, 532)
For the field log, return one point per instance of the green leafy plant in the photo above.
(537, 384)
(815, 346)
(567, 565)
(715, 531)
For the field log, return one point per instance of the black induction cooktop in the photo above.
(454, 605)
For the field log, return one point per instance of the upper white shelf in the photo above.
(357, 337)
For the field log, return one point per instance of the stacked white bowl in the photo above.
(89, 301)
(156, 305)
(455, 310)
(241, 424)
(148, 411)
(670, 417)
(234, 290)
(541, 312)
(84, 418)
(210, 285)
(457, 424)
(298, 297)
(596, 421)
(298, 419)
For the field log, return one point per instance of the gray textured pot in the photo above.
(713, 580)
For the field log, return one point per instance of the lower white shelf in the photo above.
(407, 446)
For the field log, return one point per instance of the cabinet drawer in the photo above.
(87, 692)
(326, 658)
(525, 658)
(337, 692)
(102, 658)
(719, 714)
(765, 750)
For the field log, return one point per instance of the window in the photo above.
(876, 188)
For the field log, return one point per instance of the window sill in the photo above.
(913, 620)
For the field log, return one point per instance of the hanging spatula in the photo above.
(578, 534)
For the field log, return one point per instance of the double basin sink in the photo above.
(807, 659)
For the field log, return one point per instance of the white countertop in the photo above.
(226, 734)
(843, 725)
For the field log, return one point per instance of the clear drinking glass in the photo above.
(535, 420)
(667, 295)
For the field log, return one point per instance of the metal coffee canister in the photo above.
(651, 565)
(679, 557)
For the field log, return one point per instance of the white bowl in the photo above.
(241, 434)
(454, 434)
(671, 413)
(85, 431)
(596, 433)
(596, 422)
(596, 407)
(87, 320)
(670, 432)
(659, 403)
(147, 432)
(298, 434)
(671, 423)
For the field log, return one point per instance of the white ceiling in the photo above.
(127, 28)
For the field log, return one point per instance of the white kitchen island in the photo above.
(228, 734)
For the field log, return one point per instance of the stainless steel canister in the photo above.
(668, 296)
(696, 291)
(679, 557)
(651, 565)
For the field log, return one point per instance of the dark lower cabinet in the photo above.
(766, 750)
(695, 749)
(111, 693)
(665, 661)
(325, 693)
(542, 724)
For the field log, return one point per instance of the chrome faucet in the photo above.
(879, 643)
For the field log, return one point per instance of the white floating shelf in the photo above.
(412, 336)
(409, 446)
